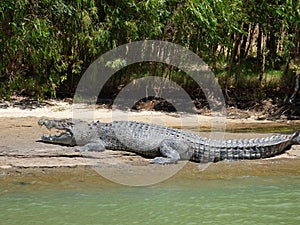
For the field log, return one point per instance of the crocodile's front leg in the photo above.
(172, 151)
(92, 146)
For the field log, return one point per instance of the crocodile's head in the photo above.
(66, 137)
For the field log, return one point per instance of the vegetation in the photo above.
(252, 46)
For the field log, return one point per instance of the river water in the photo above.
(238, 200)
(258, 192)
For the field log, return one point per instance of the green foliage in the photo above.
(47, 45)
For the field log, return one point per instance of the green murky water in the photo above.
(244, 200)
(255, 128)
(266, 129)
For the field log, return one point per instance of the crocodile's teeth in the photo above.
(44, 137)
(47, 137)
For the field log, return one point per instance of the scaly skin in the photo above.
(165, 145)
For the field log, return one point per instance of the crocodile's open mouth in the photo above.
(63, 129)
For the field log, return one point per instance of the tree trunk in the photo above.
(236, 43)
(260, 54)
(250, 39)
(244, 42)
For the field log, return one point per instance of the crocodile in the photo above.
(162, 144)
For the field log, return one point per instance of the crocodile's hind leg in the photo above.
(93, 146)
(172, 151)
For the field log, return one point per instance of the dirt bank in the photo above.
(22, 153)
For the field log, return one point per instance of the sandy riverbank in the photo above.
(21, 153)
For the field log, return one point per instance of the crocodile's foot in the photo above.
(95, 146)
(163, 161)
(172, 151)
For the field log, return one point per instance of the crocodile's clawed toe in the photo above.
(162, 161)
(81, 149)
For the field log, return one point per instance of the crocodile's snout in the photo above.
(57, 124)
(65, 137)
(41, 122)
(47, 123)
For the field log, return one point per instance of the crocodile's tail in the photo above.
(296, 137)
(213, 151)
